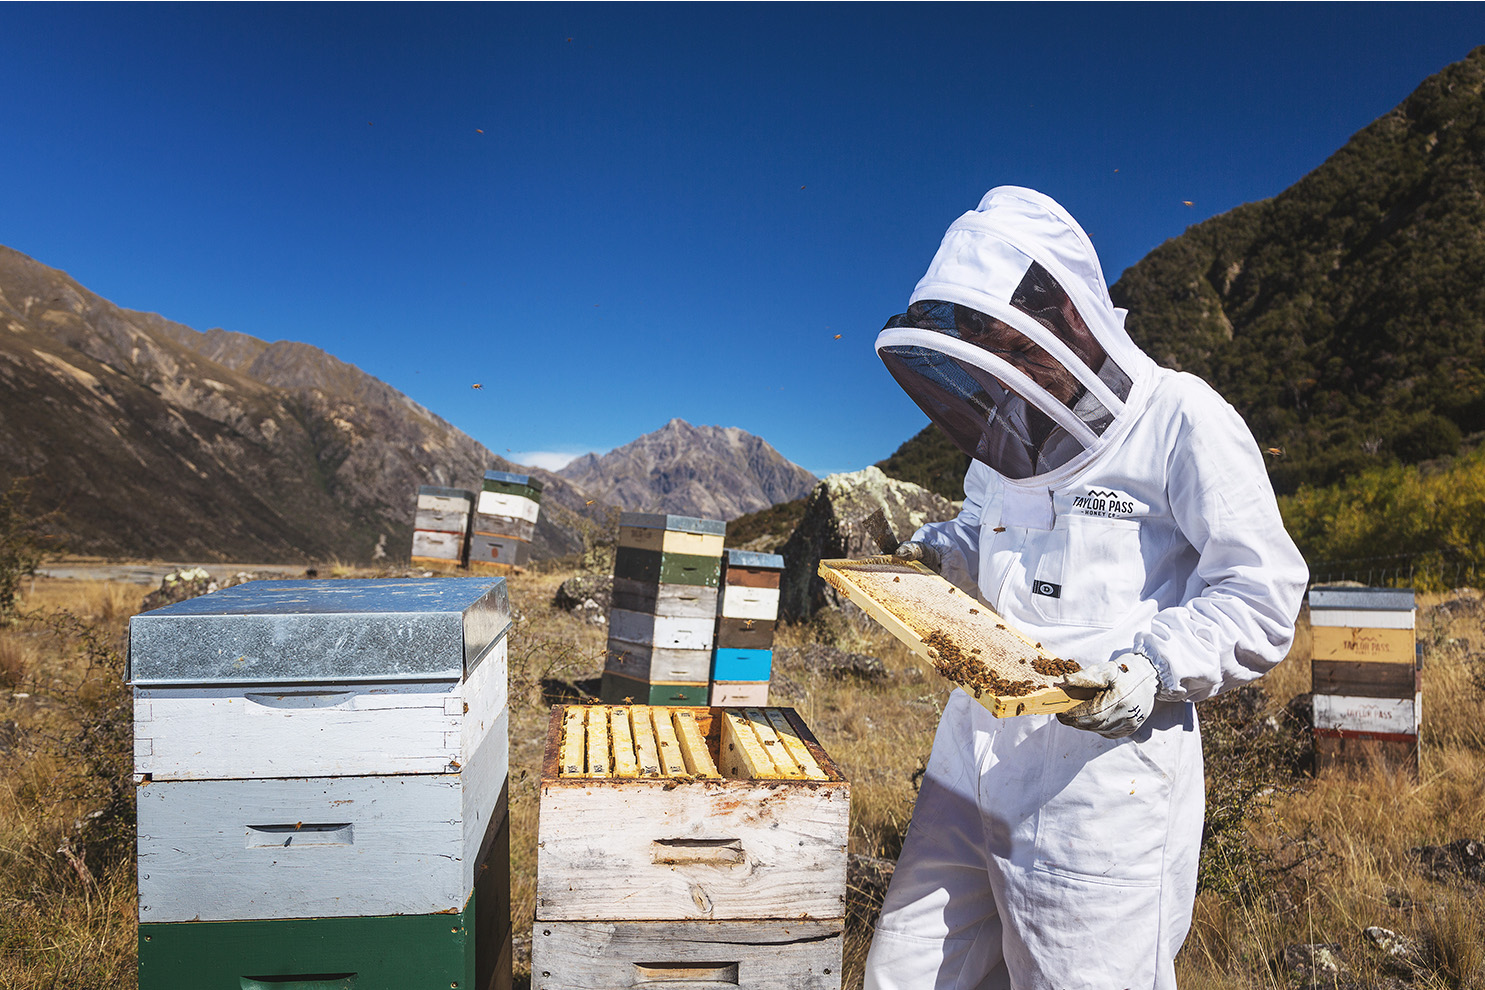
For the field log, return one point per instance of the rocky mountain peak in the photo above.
(715, 472)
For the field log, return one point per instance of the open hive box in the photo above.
(961, 637)
(700, 845)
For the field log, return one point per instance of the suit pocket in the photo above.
(1090, 573)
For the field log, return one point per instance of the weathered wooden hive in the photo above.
(441, 526)
(1368, 696)
(504, 520)
(321, 769)
(704, 847)
(666, 571)
(747, 610)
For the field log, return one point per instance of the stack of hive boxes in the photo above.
(1368, 699)
(505, 519)
(666, 570)
(321, 773)
(695, 847)
(748, 607)
(441, 526)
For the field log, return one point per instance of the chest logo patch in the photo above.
(1107, 502)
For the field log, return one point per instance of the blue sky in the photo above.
(609, 216)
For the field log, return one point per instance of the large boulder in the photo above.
(834, 526)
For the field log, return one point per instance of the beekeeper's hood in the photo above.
(1011, 343)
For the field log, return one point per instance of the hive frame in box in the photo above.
(969, 615)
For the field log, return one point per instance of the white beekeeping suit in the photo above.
(1119, 513)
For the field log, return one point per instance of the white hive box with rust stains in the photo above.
(689, 813)
(688, 844)
(961, 637)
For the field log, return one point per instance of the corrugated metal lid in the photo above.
(513, 479)
(751, 558)
(1378, 599)
(445, 492)
(678, 524)
(284, 632)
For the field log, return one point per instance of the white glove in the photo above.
(925, 553)
(1126, 693)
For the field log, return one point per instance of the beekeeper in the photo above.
(1119, 513)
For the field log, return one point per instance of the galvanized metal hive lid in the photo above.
(295, 632)
(677, 524)
(468, 496)
(1377, 599)
(514, 479)
(752, 558)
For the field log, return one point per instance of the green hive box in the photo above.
(658, 567)
(615, 689)
(407, 952)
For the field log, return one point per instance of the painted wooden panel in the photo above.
(506, 488)
(744, 634)
(759, 955)
(661, 630)
(740, 602)
(507, 526)
(670, 541)
(699, 849)
(648, 663)
(242, 731)
(751, 577)
(231, 850)
(1351, 618)
(673, 600)
(442, 520)
(377, 953)
(1335, 643)
(739, 694)
(503, 504)
(1365, 679)
(498, 550)
(615, 689)
(1334, 747)
(451, 504)
(440, 546)
(742, 665)
(1401, 716)
(654, 566)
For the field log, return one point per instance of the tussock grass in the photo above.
(1323, 856)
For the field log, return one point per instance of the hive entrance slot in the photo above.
(702, 975)
(306, 981)
(300, 834)
(707, 852)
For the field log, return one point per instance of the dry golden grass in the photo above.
(1338, 842)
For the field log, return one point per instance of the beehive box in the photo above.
(504, 482)
(1367, 688)
(747, 607)
(689, 844)
(486, 549)
(310, 752)
(959, 636)
(443, 510)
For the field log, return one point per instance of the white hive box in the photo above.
(688, 847)
(319, 748)
(319, 678)
(742, 817)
